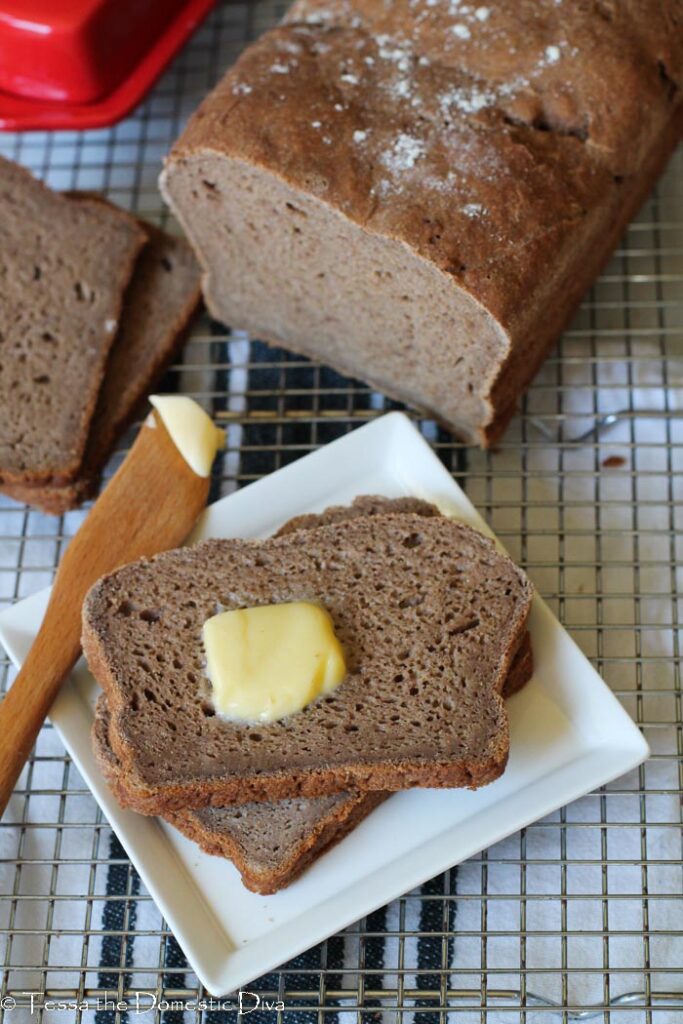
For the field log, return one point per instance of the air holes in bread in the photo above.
(83, 291)
(150, 615)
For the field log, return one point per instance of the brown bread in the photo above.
(430, 615)
(271, 844)
(160, 302)
(420, 196)
(64, 268)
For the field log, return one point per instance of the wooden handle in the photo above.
(149, 506)
(27, 702)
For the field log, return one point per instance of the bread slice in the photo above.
(431, 616)
(64, 267)
(366, 505)
(271, 844)
(522, 666)
(160, 302)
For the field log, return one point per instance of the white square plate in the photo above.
(569, 735)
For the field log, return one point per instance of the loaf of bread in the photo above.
(272, 843)
(419, 192)
(430, 616)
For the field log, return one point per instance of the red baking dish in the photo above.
(85, 63)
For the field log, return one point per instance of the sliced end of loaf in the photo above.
(276, 263)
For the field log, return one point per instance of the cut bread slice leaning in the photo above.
(430, 614)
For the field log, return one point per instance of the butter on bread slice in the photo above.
(430, 614)
(272, 843)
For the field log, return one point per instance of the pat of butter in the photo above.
(191, 430)
(268, 662)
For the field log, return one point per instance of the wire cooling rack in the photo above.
(580, 916)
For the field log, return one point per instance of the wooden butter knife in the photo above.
(150, 505)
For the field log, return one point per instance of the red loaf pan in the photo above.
(85, 63)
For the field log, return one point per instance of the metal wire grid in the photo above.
(582, 909)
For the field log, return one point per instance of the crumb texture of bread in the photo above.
(272, 843)
(64, 268)
(430, 615)
(479, 170)
(366, 505)
(158, 307)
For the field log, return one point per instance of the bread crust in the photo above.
(516, 375)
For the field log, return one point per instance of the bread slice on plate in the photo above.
(65, 267)
(271, 844)
(366, 505)
(429, 612)
(159, 304)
